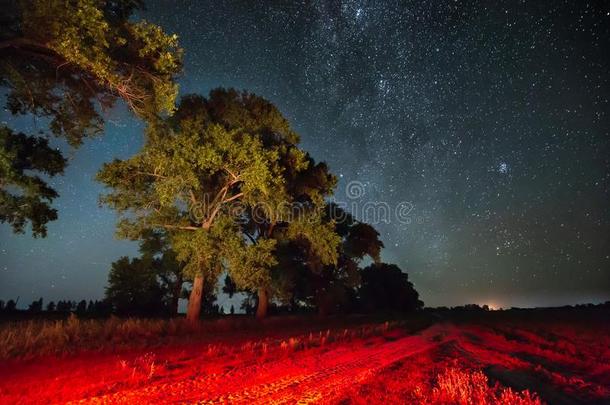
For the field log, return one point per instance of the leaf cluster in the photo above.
(24, 195)
(67, 60)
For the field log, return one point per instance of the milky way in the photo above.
(489, 119)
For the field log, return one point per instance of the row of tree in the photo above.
(221, 185)
(381, 288)
(83, 307)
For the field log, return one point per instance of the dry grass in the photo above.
(33, 338)
(457, 386)
(38, 337)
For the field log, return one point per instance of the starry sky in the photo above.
(488, 119)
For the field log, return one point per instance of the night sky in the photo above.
(489, 118)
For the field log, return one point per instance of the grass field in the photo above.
(523, 357)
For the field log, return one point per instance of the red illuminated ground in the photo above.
(372, 364)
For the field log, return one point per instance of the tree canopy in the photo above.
(67, 61)
(193, 170)
(226, 183)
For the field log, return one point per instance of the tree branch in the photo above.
(193, 199)
(235, 177)
(236, 196)
(184, 228)
(150, 174)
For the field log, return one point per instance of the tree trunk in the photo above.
(263, 303)
(194, 307)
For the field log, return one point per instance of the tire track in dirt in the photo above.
(301, 377)
(327, 382)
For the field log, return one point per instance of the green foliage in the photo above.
(321, 239)
(203, 249)
(222, 177)
(251, 113)
(306, 275)
(72, 53)
(250, 266)
(24, 195)
(231, 147)
(133, 287)
(183, 181)
(67, 60)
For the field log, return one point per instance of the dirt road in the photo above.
(558, 364)
(303, 377)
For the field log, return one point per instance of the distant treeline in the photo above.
(94, 308)
(484, 308)
(211, 309)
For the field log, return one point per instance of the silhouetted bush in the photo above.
(385, 287)
(133, 288)
(36, 306)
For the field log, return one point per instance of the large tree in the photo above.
(295, 212)
(66, 61)
(194, 167)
